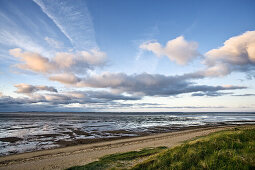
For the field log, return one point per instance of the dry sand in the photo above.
(62, 158)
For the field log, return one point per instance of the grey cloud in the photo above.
(56, 103)
(114, 105)
(59, 99)
(10, 104)
(189, 107)
(110, 96)
(148, 84)
(83, 97)
(28, 89)
(95, 101)
(243, 95)
(211, 94)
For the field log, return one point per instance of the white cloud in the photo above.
(66, 78)
(237, 54)
(32, 61)
(94, 57)
(178, 50)
(62, 62)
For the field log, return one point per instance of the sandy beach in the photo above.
(62, 158)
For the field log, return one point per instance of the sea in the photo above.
(32, 131)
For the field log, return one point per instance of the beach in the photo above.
(62, 158)
(34, 131)
(139, 85)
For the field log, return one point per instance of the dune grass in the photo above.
(232, 149)
(229, 149)
(118, 160)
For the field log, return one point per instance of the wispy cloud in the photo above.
(14, 39)
(13, 35)
(53, 42)
(73, 20)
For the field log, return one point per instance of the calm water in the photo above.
(24, 132)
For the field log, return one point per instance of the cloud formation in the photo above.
(178, 50)
(59, 100)
(102, 99)
(54, 43)
(73, 20)
(66, 78)
(244, 95)
(237, 54)
(71, 68)
(61, 62)
(28, 89)
(143, 84)
(211, 94)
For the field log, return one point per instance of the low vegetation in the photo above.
(119, 160)
(233, 149)
(230, 149)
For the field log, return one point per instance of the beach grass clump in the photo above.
(119, 160)
(230, 149)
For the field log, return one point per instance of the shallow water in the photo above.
(24, 132)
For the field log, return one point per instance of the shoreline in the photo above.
(117, 135)
(50, 131)
(65, 157)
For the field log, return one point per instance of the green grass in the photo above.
(229, 149)
(118, 160)
(233, 149)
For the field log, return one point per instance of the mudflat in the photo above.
(66, 157)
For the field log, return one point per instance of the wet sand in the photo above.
(62, 158)
(34, 131)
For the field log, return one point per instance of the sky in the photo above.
(129, 55)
